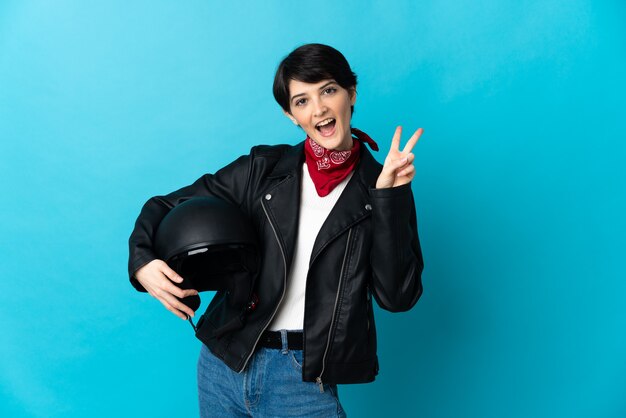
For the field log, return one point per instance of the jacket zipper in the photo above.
(318, 379)
(282, 252)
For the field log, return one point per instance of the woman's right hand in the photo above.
(157, 277)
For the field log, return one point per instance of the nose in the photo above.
(319, 109)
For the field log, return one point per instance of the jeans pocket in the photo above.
(296, 358)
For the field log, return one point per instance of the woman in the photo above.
(336, 228)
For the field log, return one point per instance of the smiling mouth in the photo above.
(326, 127)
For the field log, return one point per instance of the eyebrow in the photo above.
(321, 88)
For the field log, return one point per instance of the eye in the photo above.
(300, 102)
(330, 90)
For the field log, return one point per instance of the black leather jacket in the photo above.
(368, 246)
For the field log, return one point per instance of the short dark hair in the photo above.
(311, 63)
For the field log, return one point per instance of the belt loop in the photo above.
(283, 340)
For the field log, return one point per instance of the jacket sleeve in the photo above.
(229, 183)
(396, 256)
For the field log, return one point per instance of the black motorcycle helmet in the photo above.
(212, 245)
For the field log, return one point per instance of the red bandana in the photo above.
(328, 168)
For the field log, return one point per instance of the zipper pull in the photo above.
(319, 382)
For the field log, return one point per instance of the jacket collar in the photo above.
(290, 163)
(368, 169)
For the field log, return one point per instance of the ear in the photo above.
(352, 93)
(290, 116)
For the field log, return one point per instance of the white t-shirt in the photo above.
(313, 212)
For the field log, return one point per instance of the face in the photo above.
(323, 111)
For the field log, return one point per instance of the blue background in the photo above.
(520, 191)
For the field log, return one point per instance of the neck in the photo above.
(345, 145)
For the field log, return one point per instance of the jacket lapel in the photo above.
(282, 198)
(352, 206)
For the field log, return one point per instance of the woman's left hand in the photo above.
(398, 168)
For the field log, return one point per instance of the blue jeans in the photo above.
(270, 386)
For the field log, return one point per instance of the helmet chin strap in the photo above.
(191, 301)
(195, 329)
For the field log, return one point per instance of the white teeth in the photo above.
(325, 122)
